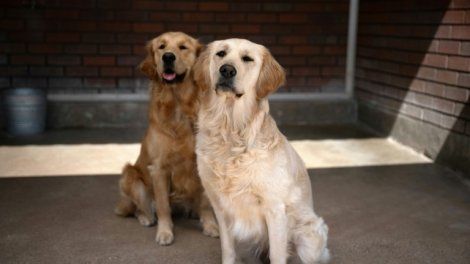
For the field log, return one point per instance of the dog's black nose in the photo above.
(168, 57)
(228, 71)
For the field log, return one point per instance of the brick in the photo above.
(305, 71)
(100, 82)
(245, 7)
(246, 28)
(45, 48)
(434, 88)
(453, 17)
(10, 48)
(99, 60)
(135, 83)
(464, 80)
(65, 82)
(181, 6)
(121, 4)
(442, 105)
(293, 39)
(134, 15)
(165, 16)
(97, 14)
(457, 94)
(460, 4)
(333, 71)
(133, 38)
(435, 60)
(459, 63)
(229, 17)
(148, 27)
(449, 77)
(449, 47)
(148, 5)
(266, 40)
(261, 18)
(81, 49)
(116, 71)
(280, 50)
(11, 25)
(98, 38)
(27, 59)
(293, 18)
(63, 60)
(114, 26)
(46, 71)
(213, 6)
(63, 37)
(81, 71)
(461, 32)
(292, 60)
(115, 49)
(277, 7)
(213, 28)
(185, 27)
(198, 17)
(35, 82)
(13, 70)
(465, 48)
(61, 14)
(129, 60)
(306, 50)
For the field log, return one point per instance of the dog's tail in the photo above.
(311, 239)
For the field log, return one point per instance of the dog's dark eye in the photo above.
(247, 58)
(162, 46)
(183, 47)
(221, 53)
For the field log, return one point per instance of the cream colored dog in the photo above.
(256, 182)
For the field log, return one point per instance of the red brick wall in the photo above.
(95, 45)
(414, 60)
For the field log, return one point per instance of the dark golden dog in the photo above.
(165, 171)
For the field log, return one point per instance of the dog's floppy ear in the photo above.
(201, 70)
(271, 76)
(148, 66)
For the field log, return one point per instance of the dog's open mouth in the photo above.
(170, 76)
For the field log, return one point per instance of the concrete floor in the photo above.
(409, 211)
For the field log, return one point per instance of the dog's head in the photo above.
(170, 57)
(238, 68)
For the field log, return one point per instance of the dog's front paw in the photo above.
(164, 237)
(144, 220)
(210, 229)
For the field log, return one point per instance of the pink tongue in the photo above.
(169, 76)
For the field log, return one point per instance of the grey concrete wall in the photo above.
(87, 114)
(445, 147)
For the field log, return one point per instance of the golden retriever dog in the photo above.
(256, 182)
(165, 173)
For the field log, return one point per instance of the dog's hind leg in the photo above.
(207, 217)
(125, 207)
(134, 191)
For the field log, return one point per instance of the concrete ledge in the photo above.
(119, 112)
(445, 147)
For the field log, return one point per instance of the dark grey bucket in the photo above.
(25, 111)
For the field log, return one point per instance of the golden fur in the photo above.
(257, 184)
(165, 171)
